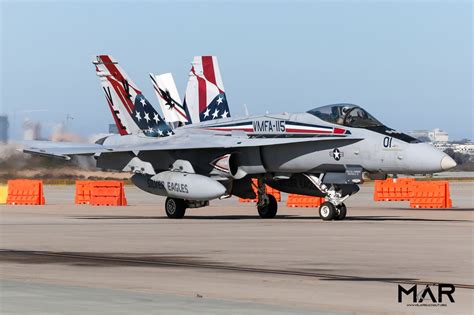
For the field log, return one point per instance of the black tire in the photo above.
(270, 210)
(327, 211)
(341, 212)
(175, 208)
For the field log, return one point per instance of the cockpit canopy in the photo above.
(351, 115)
(346, 114)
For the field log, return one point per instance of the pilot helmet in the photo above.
(345, 110)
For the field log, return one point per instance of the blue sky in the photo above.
(409, 63)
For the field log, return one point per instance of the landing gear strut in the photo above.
(334, 207)
(267, 205)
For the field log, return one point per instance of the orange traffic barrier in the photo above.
(302, 201)
(3, 194)
(25, 192)
(83, 192)
(430, 194)
(393, 189)
(107, 193)
(274, 192)
(268, 189)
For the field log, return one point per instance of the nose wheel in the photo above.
(328, 211)
(341, 212)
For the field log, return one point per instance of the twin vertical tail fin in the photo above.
(205, 96)
(132, 112)
(168, 97)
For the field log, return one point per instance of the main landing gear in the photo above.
(334, 207)
(267, 204)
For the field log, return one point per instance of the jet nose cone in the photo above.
(447, 163)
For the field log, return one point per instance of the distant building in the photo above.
(113, 129)
(3, 129)
(438, 135)
(420, 135)
(435, 135)
(467, 148)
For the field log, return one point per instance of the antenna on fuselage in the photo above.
(246, 110)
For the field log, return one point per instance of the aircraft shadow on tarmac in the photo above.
(84, 259)
(435, 209)
(278, 217)
(395, 218)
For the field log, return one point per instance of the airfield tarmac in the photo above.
(67, 259)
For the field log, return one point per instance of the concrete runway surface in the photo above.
(67, 259)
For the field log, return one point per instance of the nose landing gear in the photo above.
(334, 208)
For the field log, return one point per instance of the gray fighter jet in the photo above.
(323, 152)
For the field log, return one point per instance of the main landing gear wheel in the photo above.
(268, 211)
(175, 208)
(341, 212)
(327, 211)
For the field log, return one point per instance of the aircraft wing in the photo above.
(177, 142)
(62, 149)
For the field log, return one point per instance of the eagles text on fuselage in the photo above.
(169, 186)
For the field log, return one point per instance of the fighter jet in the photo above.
(322, 152)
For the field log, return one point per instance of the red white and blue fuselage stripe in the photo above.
(279, 127)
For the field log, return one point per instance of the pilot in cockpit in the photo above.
(344, 111)
(346, 115)
(340, 113)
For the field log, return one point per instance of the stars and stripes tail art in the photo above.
(132, 112)
(205, 96)
(167, 93)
